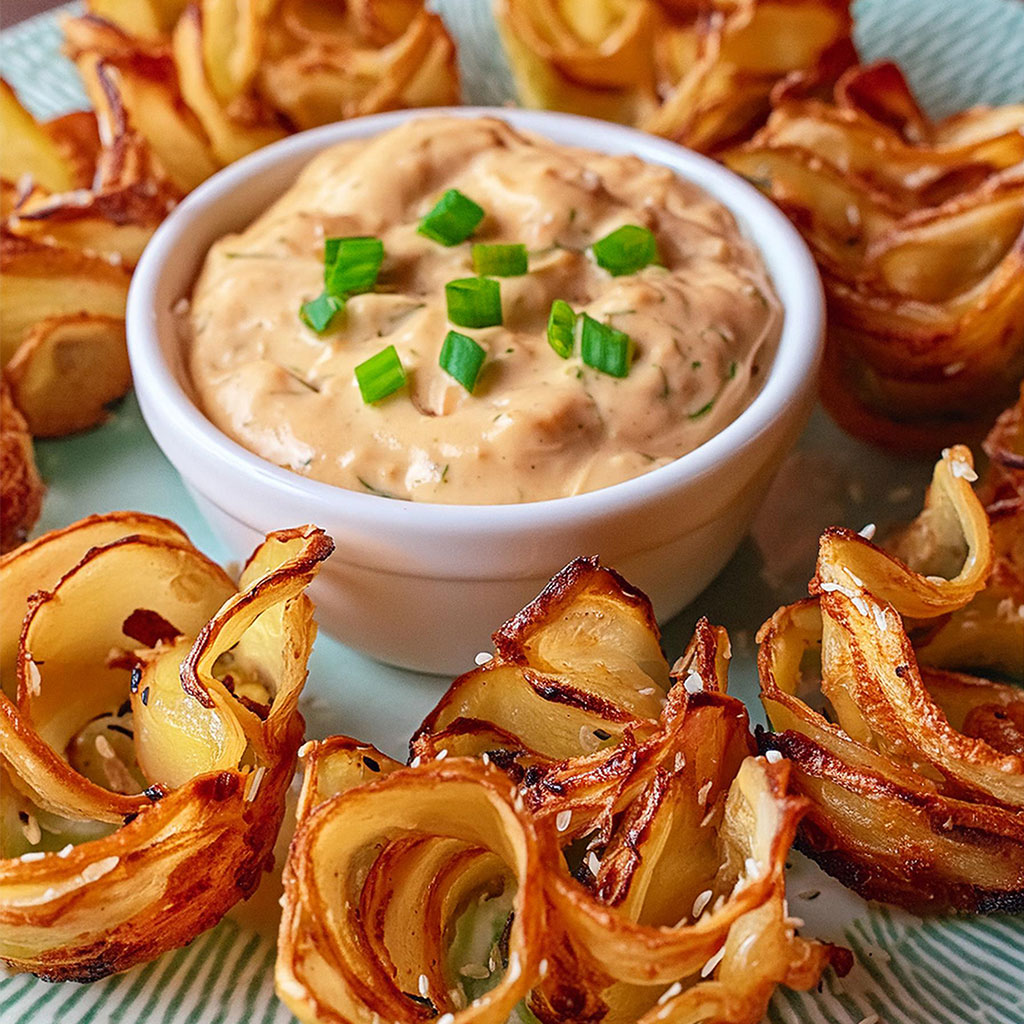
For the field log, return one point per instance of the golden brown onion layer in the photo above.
(914, 768)
(700, 73)
(149, 726)
(614, 804)
(918, 229)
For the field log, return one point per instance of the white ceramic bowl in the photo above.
(424, 585)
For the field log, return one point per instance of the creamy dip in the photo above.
(705, 322)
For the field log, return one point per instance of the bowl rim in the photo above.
(796, 360)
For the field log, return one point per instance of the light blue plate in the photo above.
(909, 971)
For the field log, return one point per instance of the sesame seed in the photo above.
(32, 855)
(486, 758)
(423, 985)
(670, 993)
(867, 532)
(562, 820)
(693, 683)
(702, 793)
(257, 778)
(483, 657)
(97, 869)
(710, 966)
(773, 756)
(963, 471)
(701, 902)
(442, 754)
(415, 762)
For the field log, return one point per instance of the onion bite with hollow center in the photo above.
(149, 735)
(580, 827)
(915, 769)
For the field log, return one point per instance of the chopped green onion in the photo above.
(319, 312)
(605, 348)
(453, 219)
(500, 260)
(351, 265)
(380, 375)
(474, 302)
(461, 358)
(626, 250)
(562, 328)
(702, 411)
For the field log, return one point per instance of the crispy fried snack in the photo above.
(579, 828)
(76, 217)
(918, 230)
(206, 83)
(915, 769)
(21, 490)
(149, 726)
(697, 71)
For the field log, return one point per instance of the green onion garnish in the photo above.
(380, 375)
(562, 328)
(474, 302)
(453, 219)
(351, 265)
(500, 260)
(319, 312)
(605, 348)
(461, 358)
(626, 250)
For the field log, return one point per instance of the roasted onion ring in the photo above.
(700, 73)
(144, 772)
(918, 229)
(615, 804)
(915, 771)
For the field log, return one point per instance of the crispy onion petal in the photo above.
(915, 773)
(21, 489)
(918, 228)
(644, 843)
(699, 73)
(988, 631)
(134, 814)
(388, 843)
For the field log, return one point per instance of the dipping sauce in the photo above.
(704, 321)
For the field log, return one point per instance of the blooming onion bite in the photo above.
(915, 768)
(580, 827)
(149, 724)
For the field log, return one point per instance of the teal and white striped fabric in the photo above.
(908, 971)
